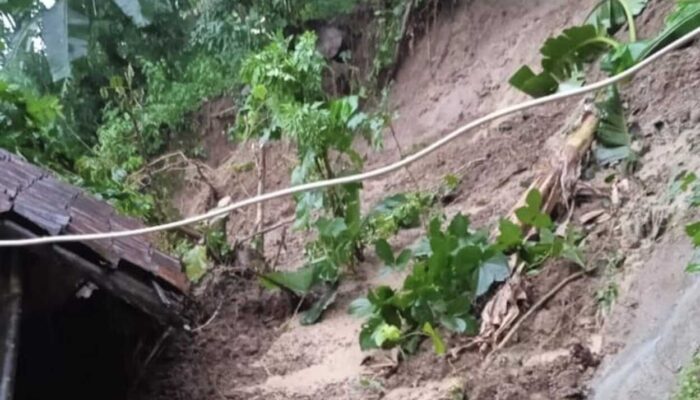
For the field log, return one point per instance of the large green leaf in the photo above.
(493, 270)
(384, 252)
(15, 6)
(299, 281)
(682, 21)
(313, 314)
(142, 12)
(624, 57)
(563, 59)
(613, 135)
(361, 308)
(610, 14)
(438, 343)
(65, 34)
(566, 53)
(535, 85)
(612, 130)
(196, 263)
(132, 8)
(693, 230)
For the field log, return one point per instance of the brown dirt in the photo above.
(458, 71)
(237, 322)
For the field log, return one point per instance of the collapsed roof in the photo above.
(34, 203)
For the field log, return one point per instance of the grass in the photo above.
(689, 381)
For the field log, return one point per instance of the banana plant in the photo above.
(66, 28)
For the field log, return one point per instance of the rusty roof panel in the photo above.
(58, 208)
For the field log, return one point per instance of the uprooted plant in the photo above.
(450, 269)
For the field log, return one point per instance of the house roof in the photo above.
(41, 203)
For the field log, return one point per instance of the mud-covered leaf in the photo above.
(299, 281)
(196, 263)
(438, 343)
(610, 155)
(623, 58)
(493, 270)
(313, 314)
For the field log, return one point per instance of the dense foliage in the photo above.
(118, 78)
(450, 269)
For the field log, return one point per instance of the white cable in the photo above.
(363, 176)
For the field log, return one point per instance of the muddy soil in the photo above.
(236, 322)
(457, 72)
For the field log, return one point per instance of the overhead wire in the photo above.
(365, 175)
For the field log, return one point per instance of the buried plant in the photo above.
(450, 268)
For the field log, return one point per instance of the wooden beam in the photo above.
(138, 292)
(10, 313)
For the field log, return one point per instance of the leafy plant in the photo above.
(565, 56)
(386, 254)
(286, 100)
(196, 263)
(613, 135)
(400, 211)
(683, 183)
(689, 381)
(459, 266)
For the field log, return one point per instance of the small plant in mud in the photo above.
(689, 381)
(287, 100)
(566, 56)
(450, 268)
(400, 211)
(688, 182)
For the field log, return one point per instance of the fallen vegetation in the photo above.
(115, 117)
